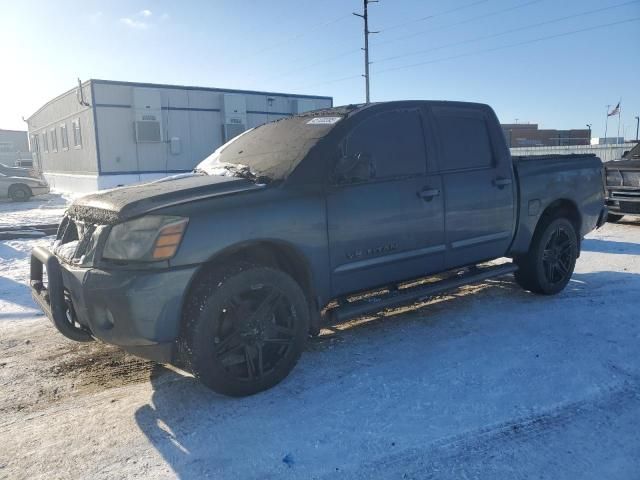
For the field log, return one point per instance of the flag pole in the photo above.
(619, 113)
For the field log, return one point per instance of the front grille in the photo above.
(622, 178)
(630, 207)
(76, 241)
(630, 178)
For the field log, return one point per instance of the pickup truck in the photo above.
(226, 271)
(622, 181)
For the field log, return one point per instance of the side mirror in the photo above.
(354, 168)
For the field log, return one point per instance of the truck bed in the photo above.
(544, 179)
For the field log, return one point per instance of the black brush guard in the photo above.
(51, 298)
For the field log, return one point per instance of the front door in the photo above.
(385, 222)
(478, 186)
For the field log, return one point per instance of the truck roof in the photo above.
(351, 109)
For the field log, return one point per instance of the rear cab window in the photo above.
(464, 139)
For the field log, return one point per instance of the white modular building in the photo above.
(105, 133)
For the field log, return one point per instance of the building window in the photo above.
(64, 138)
(77, 133)
(7, 147)
(45, 142)
(54, 140)
(34, 144)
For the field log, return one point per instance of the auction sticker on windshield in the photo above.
(323, 120)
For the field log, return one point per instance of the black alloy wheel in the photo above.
(244, 329)
(548, 265)
(254, 333)
(557, 256)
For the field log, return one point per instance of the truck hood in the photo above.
(119, 204)
(622, 164)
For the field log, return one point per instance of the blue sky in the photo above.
(491, 51)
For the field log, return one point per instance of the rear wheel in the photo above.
(613, 218)
(19, 193)
(245, 329)
(549, 264)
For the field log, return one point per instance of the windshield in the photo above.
(271, 151)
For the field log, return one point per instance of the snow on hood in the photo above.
(212, 164)
(118, 204)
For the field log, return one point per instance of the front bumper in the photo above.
(40, 190)
(138, 310)
(624, 202)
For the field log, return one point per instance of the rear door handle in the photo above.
(428, 193)
(501, 182)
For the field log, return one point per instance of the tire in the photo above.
(549, 264)
(244, 330)
(19, 193)
(613, 218)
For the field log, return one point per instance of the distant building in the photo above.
(529, 135)
(106, 133)
(14, 147)
(607, 140)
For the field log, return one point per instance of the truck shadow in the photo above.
(199, 433)
(609, 246)
(19, 295)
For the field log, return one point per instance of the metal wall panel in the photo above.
(191, 116)
(63, 110)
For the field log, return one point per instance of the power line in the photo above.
(477, 52)
(352, 52)
(469, 20)
(506, 32)
(526, 42)
(429, 17)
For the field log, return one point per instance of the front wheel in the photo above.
(245, 329)
(19, 193)
(548, 265)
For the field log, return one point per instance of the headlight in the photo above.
(150, 238)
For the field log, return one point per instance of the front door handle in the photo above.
(501, 182)
(428, 193)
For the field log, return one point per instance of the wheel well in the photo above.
(269, 254)
(563, 208)
(23, 185)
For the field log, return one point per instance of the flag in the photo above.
(615, 111)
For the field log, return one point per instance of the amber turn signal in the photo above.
(168, 240)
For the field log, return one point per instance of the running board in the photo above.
(398, 297)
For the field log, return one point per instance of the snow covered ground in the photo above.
(487, 382)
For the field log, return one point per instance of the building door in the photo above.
(385, 218)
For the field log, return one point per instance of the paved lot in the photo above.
(488, 382)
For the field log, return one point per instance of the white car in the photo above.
(20, 184)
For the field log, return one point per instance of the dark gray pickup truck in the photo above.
(622, 181)
(226, 271)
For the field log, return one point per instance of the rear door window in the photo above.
(393, 141)
(464, 139)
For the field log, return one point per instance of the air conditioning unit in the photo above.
(231, 130)
(148, 115)
(235, 115)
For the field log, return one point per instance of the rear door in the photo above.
(388, 225)
(478, 185)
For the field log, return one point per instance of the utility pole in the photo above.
(589, 139)
(365, 17)
(637, 125)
